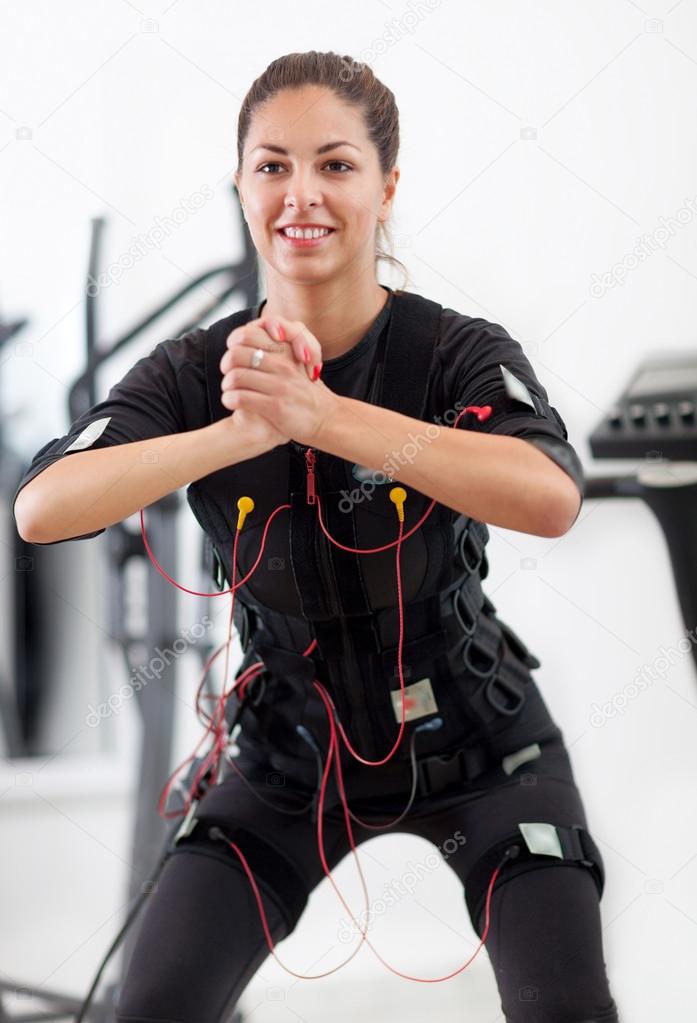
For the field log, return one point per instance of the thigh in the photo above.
(545, 938)
(201, 939)
(200, 943)
(545, 947)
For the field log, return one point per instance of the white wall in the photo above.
(540, 140)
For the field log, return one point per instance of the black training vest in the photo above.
(306, 588)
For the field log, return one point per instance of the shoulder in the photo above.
(474, 338)
(470, 351)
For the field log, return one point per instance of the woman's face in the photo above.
(342, 188)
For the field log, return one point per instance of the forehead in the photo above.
(302, 119)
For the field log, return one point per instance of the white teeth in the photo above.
(308, 232)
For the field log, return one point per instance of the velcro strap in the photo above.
(572, 846)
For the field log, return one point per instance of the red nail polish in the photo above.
(318, 370)
(306, 354)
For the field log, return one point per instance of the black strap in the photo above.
(409, 349)
(576, 845)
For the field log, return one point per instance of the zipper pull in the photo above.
(310, 465)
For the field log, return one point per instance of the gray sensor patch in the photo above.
(521, 756)
(418, 700)
(542, 838)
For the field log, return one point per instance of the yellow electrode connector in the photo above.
(244, 505)
(398, 496)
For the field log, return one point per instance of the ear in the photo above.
(389, 190)
(236, 183)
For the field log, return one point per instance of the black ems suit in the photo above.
(495, 773)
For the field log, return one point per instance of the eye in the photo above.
(332, 163)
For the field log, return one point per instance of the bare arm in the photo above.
(90, 490)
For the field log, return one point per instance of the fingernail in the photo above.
(318, 370)
(281, 333)
(306, 354)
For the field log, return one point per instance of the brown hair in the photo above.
(351, 81)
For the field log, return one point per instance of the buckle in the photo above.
(442, 770)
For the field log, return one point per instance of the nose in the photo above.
(303, 191)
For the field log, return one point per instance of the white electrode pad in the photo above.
(418, 700)
(542, 838)
(89, 435)
(515, 388)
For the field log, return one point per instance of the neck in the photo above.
(336, 312)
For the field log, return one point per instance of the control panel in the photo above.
(656, 415)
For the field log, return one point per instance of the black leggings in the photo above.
(201, 940)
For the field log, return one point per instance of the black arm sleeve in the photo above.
(486, 366)
(145, 403)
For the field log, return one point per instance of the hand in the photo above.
(278, 389)
(261, 433)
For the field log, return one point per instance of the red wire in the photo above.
(216, 725)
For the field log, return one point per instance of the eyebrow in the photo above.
(322, 149)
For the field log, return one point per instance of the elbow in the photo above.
(22, 518)
(26, 519)
(561, 514)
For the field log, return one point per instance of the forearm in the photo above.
(504, 481)
(89, 490)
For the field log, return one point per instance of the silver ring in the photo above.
(257, 356)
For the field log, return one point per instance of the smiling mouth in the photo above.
(301, 242)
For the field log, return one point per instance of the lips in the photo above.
(301, 243)
(315, 227)
(305, 227)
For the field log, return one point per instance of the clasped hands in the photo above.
(283, 398)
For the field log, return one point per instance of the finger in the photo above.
(250, 401)
(306, 348)
(248, 379)
(250, 335)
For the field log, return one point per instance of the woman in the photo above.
(237, 410)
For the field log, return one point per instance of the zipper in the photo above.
(330, 585)
(310, 459)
